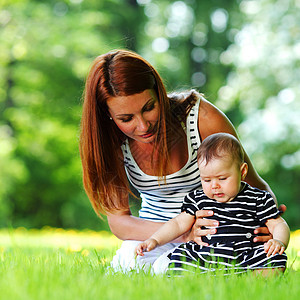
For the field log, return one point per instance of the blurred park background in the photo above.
(244, 55)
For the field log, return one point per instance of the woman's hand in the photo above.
(197, 231)
(282, 209)
(266, 235)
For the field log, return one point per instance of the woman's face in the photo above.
(136, 115)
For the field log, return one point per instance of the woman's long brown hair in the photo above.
(118, 73)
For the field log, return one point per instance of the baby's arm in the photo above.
(281, 236)
(167, 233)
(146, 246)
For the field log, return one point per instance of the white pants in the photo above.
(155, 261)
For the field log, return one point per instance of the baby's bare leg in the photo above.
(269, 272)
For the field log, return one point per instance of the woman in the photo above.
(131, 129)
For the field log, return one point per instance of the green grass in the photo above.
(56, 264)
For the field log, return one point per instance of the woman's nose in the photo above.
(142, 124)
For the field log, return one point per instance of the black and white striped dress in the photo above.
(232, 248)
(161, 202)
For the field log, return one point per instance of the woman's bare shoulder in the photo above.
(208, 110)
(212, 120)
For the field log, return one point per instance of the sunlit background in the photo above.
(243, 55)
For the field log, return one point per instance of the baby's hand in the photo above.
(274, 246)
(146, 246)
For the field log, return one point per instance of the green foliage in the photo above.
(263, 91)
(244, 55)
(45, 56)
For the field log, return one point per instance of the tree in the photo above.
(46, 51)
(243, 54)
(263, 90)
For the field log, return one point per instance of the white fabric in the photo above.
(126, 260)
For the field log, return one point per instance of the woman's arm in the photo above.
(125, 226)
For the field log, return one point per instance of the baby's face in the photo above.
(221, 178)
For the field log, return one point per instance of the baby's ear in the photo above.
(244, 170)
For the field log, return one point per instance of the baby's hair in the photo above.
(218, 145)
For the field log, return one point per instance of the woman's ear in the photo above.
(244, 170)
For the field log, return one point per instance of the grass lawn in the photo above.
(59, 264)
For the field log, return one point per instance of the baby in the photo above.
(239, 209)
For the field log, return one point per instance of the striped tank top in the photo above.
(161, 202)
